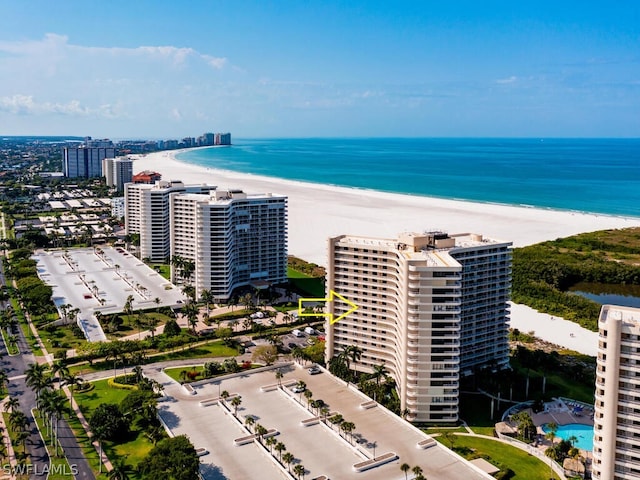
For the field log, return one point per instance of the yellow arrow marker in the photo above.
(332, 296)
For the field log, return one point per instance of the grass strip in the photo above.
(501, 455)
(59, 468)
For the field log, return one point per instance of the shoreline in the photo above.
(325, 210)
(296, 182)
(318, 211)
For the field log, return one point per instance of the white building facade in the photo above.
(414, 295)
(233, 239)
(147, 214)
(616, 440)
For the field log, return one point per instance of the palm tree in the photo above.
(120, 471)
(207, 297)
(299, 470)
(191, 311)
(405, 468)
(249, 422)
(552, 429)
(356, 354)
(36, 378)
(260, 432)
(235, 403)
(379, 371)
(12, 404)
(4, 378)
(270, 442)
(308, 394)
(280, 448)
(279, 376)
(224, 395)
(288, 459)
(417, 471)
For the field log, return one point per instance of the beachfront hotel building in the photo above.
(431, 307)
(147, 214)
(616, 440)
(234, 239)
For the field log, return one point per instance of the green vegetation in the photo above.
(242, 313)
(162, 268)
(543, 273)
(60, 467)
(306, 284)
(305, 268)
(208, 370)
(124, 420)
(85, 444)
(127, 355)
(174, 458)
(503, 456)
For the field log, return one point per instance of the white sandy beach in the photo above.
(317, 212)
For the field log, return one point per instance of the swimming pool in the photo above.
(584, 434)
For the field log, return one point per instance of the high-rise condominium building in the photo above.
(616, 440)
(85, 162)
(147, 214)
(117, 171)
(430, 306)
(234, 239)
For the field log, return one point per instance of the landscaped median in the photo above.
(59, 468)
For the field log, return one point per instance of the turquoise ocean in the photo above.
(588, 175)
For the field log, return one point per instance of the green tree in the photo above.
(172, 458)
(120, 471)
(109, 422)
(299, 470)
(288, 459)
(405, 467)
(266, 354)
(171, 328)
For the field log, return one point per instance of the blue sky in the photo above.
(168, 69)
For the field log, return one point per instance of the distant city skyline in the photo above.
(145, 69)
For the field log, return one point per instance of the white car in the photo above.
(314, 370)
(299, 389)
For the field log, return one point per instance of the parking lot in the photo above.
(101, 280)
(320, 449)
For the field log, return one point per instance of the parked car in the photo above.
(314, 370)
(299, 389)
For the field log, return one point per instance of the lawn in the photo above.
(306, 284)
(213, 349)
(162, 268)
(174, 373)
(525, 466)
(137, 446)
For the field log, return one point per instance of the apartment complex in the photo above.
(234, 239)
(117, 171)
(147, 214)
(616, 441)
(85, 162)
(430, 307)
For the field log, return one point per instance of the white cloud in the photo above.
(504, 81)
(26, 105)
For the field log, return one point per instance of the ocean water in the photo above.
(589, 175)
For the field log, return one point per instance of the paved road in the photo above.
(15, 366)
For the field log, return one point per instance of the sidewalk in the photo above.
(11, 455)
